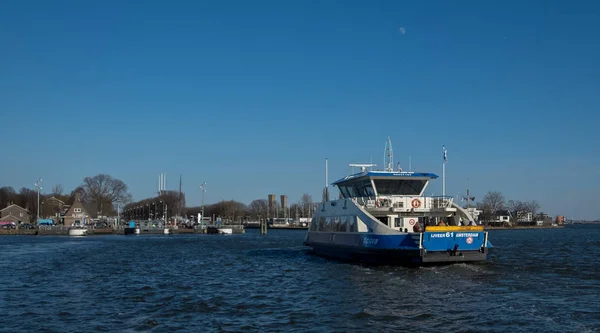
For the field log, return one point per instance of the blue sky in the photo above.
(252, 96)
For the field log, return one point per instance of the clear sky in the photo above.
(252, 96)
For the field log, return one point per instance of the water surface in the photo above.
(537, 281)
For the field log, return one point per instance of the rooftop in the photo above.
(388, 174)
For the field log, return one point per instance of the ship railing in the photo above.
(368, 202)
(441, 202)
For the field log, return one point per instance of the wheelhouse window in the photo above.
(357, 188)
(399, 186)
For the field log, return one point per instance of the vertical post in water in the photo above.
(263, 226)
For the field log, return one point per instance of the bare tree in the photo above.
(83, 196)
(104, 190)
(258, 207)
(295, 210)
(57, 189)
(532, 207)
(493, 202)
(325, 196)
(27, 199)
(515, 207)
(306, 204)
(8, 195)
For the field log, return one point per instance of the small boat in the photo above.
(78, 229)
(225, 231)
(132, 230)
(218, 230)
(383, 217)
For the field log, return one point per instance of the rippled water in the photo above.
(538, 281)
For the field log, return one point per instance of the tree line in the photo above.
(494, 202)
(99, 195)
(103, 195)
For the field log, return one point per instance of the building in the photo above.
(76, 214)
(524, 217)
(543, 219)
(502, 218)
(15, 213)
(52, 207)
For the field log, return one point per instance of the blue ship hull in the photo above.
(401, 249)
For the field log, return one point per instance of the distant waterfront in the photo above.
(537, 281)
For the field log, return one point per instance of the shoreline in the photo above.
(488, 228)
(110, 231)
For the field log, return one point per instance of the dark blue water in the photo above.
(538, 281)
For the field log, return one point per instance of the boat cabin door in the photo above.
(395, 222)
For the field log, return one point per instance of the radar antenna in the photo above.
(388, 156)
(468, 198)
(363, 167)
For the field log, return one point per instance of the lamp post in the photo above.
(118, 213)
(38, 185)
(203, 187)
(163, 208)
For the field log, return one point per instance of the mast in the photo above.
(445, 157)
(179, 199)
(326, 181)
(468, 197)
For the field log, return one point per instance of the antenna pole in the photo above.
(444, 179)
(468, 194)
(179, 199)
(445, 160)
(388, 155)
(37, 184)
(203, 187)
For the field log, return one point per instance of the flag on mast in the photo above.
(445, 154)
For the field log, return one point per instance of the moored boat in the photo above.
(226, 231)
(77, 231)
(383, 217)
(218, 230)
(133, 229)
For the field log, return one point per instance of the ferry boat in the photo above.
(383, 217)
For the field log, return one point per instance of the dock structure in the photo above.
(64, 231)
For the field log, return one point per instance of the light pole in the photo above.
(38, 185)
(203, 187)
(163, 209)
(118, 213)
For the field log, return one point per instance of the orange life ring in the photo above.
(416, 203)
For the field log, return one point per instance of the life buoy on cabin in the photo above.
(378, 203)
(416, 203)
